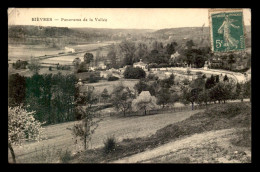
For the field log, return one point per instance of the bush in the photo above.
(109, 145)
(112, 78)
(65, 156)
(134, 73)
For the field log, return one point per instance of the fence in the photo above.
(156, 111)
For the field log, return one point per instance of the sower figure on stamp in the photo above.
(225, 29)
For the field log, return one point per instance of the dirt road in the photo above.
(122, 128)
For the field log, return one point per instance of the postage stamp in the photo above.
(227, 30)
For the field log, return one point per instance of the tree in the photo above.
(141, 52)
(170, 48)
(225, 78)
(189, 44)
(247, 89)
(199, 61)
(16, 89)
(88, 57)
(203, 97)
(112, 57)
(76, 62)
(22, 127)
(210, 82)
(221, 91)
(122, 98)
(158, 57)
(88, 118)
(34, 65)
(168, 82)
(20, 64)
(191, 95)
(217, 79)
(105, 95)
(51, 96)
(134, 73)
(231, 60)
(82, 67)
(127, 50)
(142, 85)
(239, 93)
(164, 97)
(198, 83)
(144, 102)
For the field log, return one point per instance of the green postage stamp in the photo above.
(227, 30)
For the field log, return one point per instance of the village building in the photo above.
(141, 65)
(206, 65)
(101, 65)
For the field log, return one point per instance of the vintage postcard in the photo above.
(129, 85)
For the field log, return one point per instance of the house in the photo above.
(69, 50)
(105, 74)
(206, 65)
(141, 65)
(101, 65)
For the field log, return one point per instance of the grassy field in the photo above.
(59, 137)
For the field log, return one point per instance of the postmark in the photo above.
(226, 30)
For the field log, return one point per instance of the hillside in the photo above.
(195, 33)
(200, 35)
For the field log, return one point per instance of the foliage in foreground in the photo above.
(50, 155)
(109, 145)
(22, 127)
(222, 116)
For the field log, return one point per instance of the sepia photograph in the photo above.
(129, 85)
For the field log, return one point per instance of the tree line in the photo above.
(51, 96)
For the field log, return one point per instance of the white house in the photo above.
(141, 65)
(101, 65)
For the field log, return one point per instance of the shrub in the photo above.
(65, 156)
(109, 145)
(50, 68)
(112, 78)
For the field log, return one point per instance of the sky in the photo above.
(123, 18)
